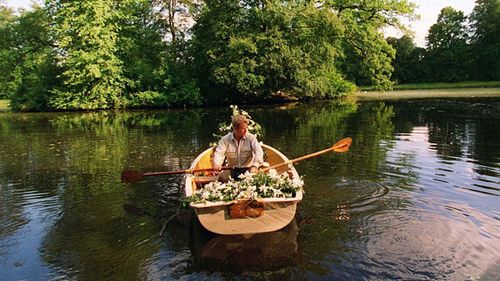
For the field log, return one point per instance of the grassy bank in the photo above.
(4, 105)
(455, 85)
(442, 85)
(430, 93)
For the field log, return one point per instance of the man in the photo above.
(240, 148)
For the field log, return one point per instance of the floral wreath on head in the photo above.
(224, 128)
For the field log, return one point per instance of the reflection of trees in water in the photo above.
(325, 217)
(302, 129)
(374, 125)
(458, 128)
(78, 157)
(94, 240)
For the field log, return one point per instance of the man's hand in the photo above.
(253, 170)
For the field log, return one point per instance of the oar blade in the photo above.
(342, 145)
(342, 149)
(129, 176)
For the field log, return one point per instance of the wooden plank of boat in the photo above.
(215, 216)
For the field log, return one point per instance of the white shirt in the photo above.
(245, 153)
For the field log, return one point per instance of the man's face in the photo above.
(240, 131)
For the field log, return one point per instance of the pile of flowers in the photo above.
(249, 186)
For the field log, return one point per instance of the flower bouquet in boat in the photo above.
(261, 187)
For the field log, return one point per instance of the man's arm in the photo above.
(219, 155)
(258, 154)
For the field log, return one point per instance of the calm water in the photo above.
(417, 197)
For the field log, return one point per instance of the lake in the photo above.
(417, 197)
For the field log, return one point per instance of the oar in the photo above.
(340, 146)
(130, 176)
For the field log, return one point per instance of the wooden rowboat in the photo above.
(215, 216)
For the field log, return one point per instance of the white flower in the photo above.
(205, 194)
(251, 186)
(297, 182)
(273, 173)
(246, 176)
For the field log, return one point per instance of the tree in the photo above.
(485, 23)
(146, 72)
(262, 49)
(302, 49)
(86, 35)
(408, 63)
(181, 87)
(447, 47)
(7, 22)
(176, 18)
(31, 70)
(367, 55)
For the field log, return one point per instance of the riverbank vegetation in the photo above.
(95, 54)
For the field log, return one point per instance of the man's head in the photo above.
(240, 124)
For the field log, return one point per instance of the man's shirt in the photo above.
(245, 153)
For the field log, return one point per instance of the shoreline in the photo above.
(392, 95)
(429, 93)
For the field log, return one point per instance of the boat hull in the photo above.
(215, 217)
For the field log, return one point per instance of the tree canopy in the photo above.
(97, 54)
(459, 48)
(447, 46)
(485, 21)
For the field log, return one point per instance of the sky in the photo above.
(427, 9)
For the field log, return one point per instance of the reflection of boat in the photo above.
(238, 253)
(274, 213)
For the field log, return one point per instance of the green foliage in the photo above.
(455, 51)
(7, 54)
(408, 63)
(485, 21)
(95, 54)
(86, 33)
(139, 31)
(367, 55)
(447, 47)
(249, 50)
(4, 105)
(30, 67)
(450, 29)
(155, 78)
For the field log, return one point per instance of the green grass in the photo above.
(441, 85)
(454, 85)
(4, 105)
(429, 93)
